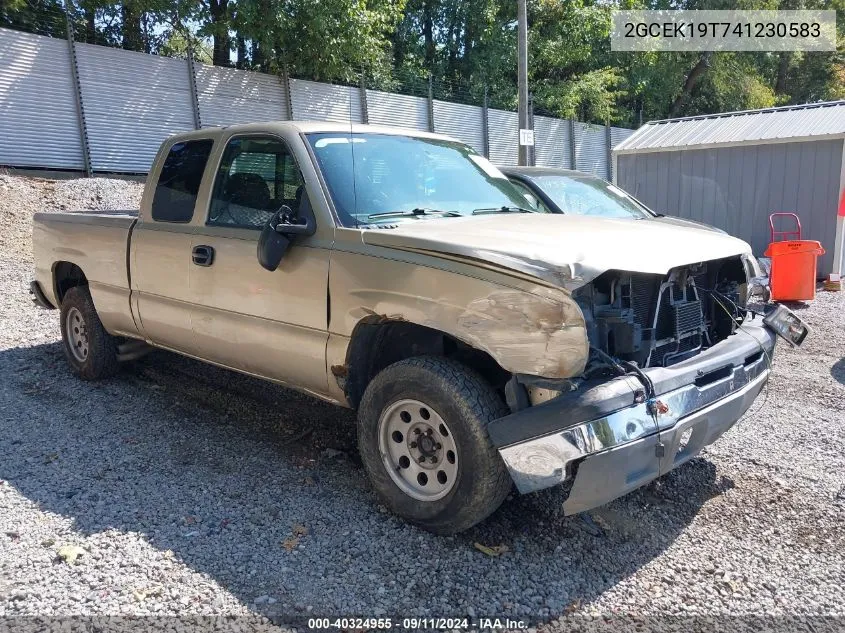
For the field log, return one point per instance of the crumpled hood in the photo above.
(566, 250)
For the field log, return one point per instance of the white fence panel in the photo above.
(463, 122)
(551, 140)
(503, 128)
(617, 135)
(314, 101)
(132, 101)
(386, 108)
(228, 96)
(39, 126)
(591, 149)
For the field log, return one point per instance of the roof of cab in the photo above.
(306, 127)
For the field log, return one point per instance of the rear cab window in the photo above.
(179, 181)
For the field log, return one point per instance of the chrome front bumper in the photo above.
(606, 440)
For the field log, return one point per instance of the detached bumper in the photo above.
(606, 441)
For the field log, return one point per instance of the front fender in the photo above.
(531, 329)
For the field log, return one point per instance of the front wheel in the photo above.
(423, 440)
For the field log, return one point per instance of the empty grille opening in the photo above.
(750, 360)
(660, 320)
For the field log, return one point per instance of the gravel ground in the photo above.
(186, 489)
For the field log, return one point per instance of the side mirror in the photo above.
(289, 223)
(276, 235)
(271, 245)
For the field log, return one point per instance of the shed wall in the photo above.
(736, 188)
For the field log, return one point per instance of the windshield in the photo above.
(590, 196)
(408, 179)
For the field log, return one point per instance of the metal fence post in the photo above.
(77, 91)
(573, 161)
(192, 84)
(609, 150)
(365, 114)
(285, 79)
(485, 125)
(430, 104)
(532, 149)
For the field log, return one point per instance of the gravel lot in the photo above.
(186, 489)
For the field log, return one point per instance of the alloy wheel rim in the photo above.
(418, 450)
(77, 334)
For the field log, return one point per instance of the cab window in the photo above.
(179, 181)
(257, 175)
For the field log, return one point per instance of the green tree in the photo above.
(328, 40)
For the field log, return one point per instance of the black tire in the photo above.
(467, 403)
(101, 358)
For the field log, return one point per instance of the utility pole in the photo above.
(522, 70)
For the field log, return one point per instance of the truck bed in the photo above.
(97, 243)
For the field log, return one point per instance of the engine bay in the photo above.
(658, 321)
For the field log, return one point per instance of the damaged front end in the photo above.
(669, 372)
(661, 320)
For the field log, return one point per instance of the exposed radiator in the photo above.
(688, 317)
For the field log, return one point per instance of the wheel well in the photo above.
(375, 345)
(67, 275)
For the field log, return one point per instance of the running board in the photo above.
(132, 350)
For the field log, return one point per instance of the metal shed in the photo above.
(732, 170)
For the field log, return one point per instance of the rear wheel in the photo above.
(90, 350)
(423, 441)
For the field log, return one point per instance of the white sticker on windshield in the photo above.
(337, 140)
(617, 191)
(487, 167)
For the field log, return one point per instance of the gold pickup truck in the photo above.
(484, 343)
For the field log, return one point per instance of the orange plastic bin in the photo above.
(793, 274)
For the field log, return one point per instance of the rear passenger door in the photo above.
(273, 324)
(160, 250)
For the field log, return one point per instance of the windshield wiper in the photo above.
(504, 209)
(413, 213)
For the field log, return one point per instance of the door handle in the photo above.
(202, 255)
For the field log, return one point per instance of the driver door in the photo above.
(271, 324)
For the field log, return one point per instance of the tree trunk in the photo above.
(692, 79)
(259, 59)
(90, 26)
(428, 34)
(469, 43)
(220, 30)
(454, 43)
(784, 60)
(241, 46)
(397, 46)
(133, 39)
